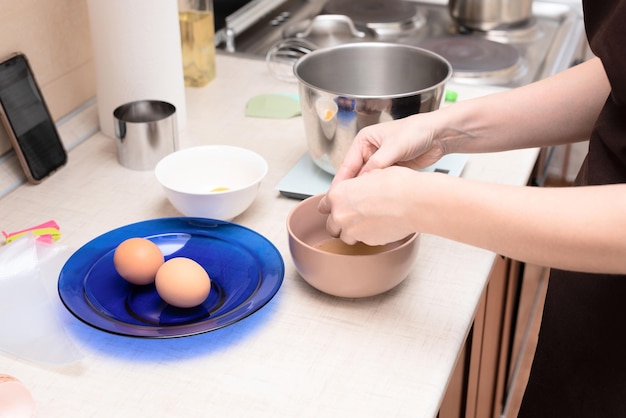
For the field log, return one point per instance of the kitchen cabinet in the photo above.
(493, 366)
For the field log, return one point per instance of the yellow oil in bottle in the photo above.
(197, 32)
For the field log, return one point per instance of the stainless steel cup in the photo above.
(486, 15)
(145, 132)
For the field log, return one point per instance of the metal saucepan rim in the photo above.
(376, 45)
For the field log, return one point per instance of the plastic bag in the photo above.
(30, 323)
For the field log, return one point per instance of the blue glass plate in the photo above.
(246, 271)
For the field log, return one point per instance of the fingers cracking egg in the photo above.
(182, 282)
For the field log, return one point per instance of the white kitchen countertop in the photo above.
(305, 354)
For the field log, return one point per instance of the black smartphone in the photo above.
(27, 120)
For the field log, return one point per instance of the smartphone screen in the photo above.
(27, 120)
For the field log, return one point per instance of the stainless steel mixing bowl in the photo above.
(347, 87)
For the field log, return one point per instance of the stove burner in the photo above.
(382, 16)
(478, 59)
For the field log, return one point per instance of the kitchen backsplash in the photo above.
(54, 35)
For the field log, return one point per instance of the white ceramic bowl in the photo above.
(211, 181)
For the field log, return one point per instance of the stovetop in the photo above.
(508, 57)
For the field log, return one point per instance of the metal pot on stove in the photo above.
(487, 15)
(347, 87)
(308, 35)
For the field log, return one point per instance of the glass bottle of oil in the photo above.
(197, 33)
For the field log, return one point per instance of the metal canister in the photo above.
(145, 132)
(490, 14)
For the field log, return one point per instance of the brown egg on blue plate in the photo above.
(179, 281)
(182, 282)
(137, 260)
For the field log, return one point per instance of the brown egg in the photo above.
(137, 260)
(182, 282)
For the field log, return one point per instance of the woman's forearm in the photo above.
(559, 109)
(573, 228)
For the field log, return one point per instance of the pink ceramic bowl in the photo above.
(333, 267)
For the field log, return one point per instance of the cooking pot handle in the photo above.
(283, 55)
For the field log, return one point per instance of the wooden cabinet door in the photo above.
(472, 392)
(492, 370)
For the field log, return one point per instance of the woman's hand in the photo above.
(406, 142)
(374, 208)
